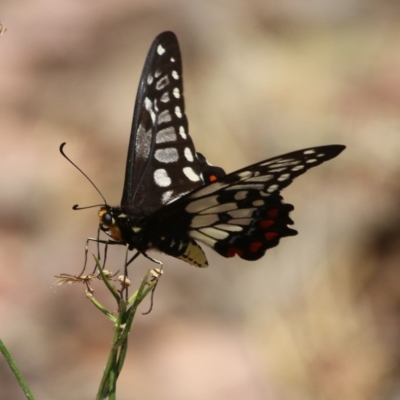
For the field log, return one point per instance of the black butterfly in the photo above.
(172, 197)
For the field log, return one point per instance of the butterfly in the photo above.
(173, 199)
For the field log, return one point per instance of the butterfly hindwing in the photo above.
(242, 213)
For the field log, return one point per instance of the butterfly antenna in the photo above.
(76, 206)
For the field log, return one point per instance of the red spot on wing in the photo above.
(270, 235)
(232, 251)
(266, 223)
(273, 212)
(212, 178)
(255, 246)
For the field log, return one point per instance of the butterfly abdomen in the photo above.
(184, 249)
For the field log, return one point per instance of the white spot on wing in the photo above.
(203, 220)
(231, 228)
(245, 174)
(311, 161)
(272, 188)
(148, 105)
(165, 97)
(248, 186)
(283, 162)
(201, 204)
(214, 233)
(168, 155)
(182, 132)
(166, 135)
(162, 83)
(311, 151)
(289, 163)
(161, 178)
(213, 187)
(188, 171)
(220, 208)
(266, 163)
(172, 59)
(166, 196)
(203, 238)
(146, 140)
(298, 168)
(275, 170)
(163, 117)
(160, 50)
(176, 93)
(284, 177)
(175, 75)
(150, 79)
(178, 112)
(188, 154)
(261, 178)
(258, 203)
(242, 213)
(157, 74)
(241, 195)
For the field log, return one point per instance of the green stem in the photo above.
(16, 371)
(107, 387)
(101, 307)
(109, 285)
(123, 325)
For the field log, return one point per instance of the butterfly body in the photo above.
(142, 234)
(173, 197)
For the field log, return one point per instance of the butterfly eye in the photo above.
(107, 219)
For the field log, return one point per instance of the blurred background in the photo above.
(319, 316)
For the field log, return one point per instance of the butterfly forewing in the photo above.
(162, 163)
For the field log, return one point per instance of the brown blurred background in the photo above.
(319, 316)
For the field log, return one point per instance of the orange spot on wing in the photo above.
(212, 178)
(270, 235)
(255, 246)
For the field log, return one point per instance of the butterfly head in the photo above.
(109, 217)
(120, 226)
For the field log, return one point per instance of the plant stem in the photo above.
(122, 327)
(16, 371)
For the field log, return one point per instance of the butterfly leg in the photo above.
(156, 275)
(132, 259)
(98, 241)
(152, 259)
